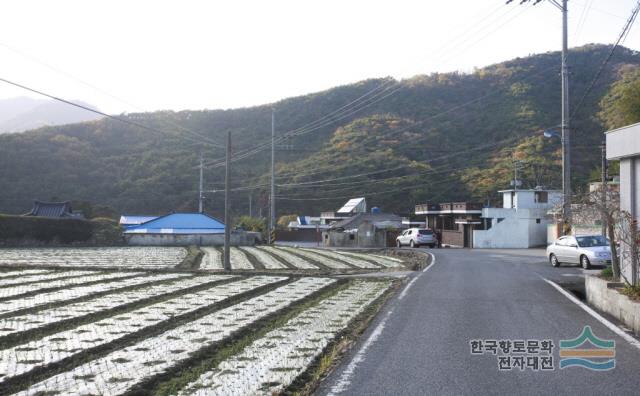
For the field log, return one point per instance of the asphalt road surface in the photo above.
(419, 343)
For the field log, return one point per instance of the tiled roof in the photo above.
(51, 209)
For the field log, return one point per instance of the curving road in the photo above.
(419, 343)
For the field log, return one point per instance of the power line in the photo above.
(343, 112)
(123, 120)
(621, 37)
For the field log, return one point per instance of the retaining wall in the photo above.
(604, 297)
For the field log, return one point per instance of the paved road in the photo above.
(419, 343)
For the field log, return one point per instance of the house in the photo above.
(612, 185)
(127, 221)
(364, 230)
(183, 229)
(308, 228)
(54, 210)
(353, 207)
(456, 221)
(521, 222)
(623, 145)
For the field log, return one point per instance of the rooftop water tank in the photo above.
(375, 209)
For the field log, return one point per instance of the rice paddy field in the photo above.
(112, 321)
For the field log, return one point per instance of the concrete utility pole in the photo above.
(566, 130)
(250, 202)
(272, 215)
(227, 215)
(201, 195)
(603, 186)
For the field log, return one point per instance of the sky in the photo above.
(143, 55)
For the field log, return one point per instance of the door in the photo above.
(572, 251)
(560, 249)
(406, 239)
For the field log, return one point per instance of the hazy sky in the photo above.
(153, 55)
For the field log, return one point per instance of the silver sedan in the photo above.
(584, 250)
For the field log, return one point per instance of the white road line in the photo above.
(433, 262)
(596, 315)
(345, 378)
(406, 288)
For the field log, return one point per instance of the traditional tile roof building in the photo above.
(53, 209)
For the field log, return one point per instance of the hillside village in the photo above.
(466, 232)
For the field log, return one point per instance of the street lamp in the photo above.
(550, 133)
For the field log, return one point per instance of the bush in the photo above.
(251, 223)
(27, 230)
(607, 273)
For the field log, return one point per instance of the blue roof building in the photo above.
(179, 223)
(133, 220)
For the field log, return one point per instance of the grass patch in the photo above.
(193, 258)
(633, 292)
(607, 273)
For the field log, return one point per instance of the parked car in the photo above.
(415, 237)
(584, 250)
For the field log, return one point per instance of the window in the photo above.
(352, 237)
(537, 221)
(541, 197)
(592, 241)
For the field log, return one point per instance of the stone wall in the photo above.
(237, 239)
(453, 238)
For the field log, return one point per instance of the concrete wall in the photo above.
(612, 302)
(339, 239)
(367, 236)
(525, 199)
(300, 235)
(237, 239)
(518, 230)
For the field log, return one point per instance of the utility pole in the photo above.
(250, 201)
(272, 215)
(516, 163)
(603, 186)
(566, 130)
(201, 195)
(566, 125)
(227, 215)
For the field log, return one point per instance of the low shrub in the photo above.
(607, 273)
(31, 230)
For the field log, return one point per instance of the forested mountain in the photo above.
(23, 113)
(434, 137)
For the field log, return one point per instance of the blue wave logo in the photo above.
(588, 351)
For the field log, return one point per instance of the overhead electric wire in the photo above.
(123, 120)
(625, 30)
(299, 131)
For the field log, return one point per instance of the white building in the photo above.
(521, 222)
(623, 144)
